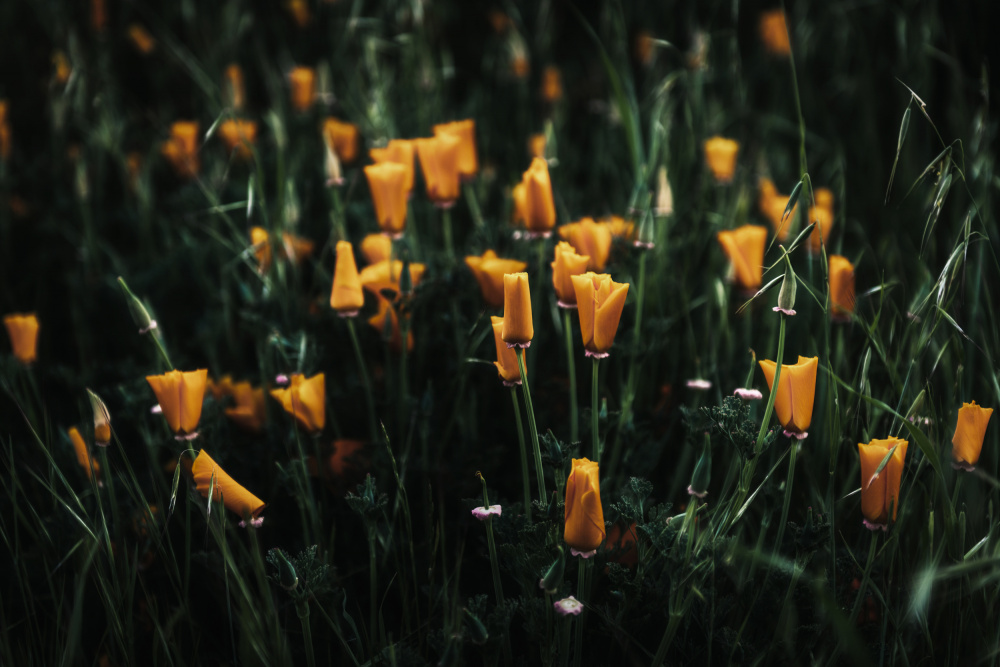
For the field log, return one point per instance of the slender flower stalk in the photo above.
(524, 452)
(582, 584)
(365, 381)
(539, 472)
(594, 411)
(497, 586)
(449, 243)
(574, 410)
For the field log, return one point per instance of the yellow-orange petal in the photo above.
(387, 182)
(465, 130)
(401, 152)
(439, 162)
(745, 248)
(970, 430)
(537, 207)
(83, 457)
(305, 399)
(589, 238)
(794, 403)
(506, 362)
(489, 271)
(180, 395)
(841, 287)
(880, 493)
(599, 302)
(23, 331)
(209, 476)
(584, 516)
(346, 295)
(567, 263)
(376, 248)
(517, 324)
(720, 156)
(774, 32)
(303, 87)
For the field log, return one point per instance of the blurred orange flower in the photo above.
(533, 201)
(296, 248)
(181, 148)
(83, 457)
(841, 287)
(233, 86)
(970, 430)
(180, 395)
(385, 275)
(346, 296)
(400, 151)
(141, 39)
(250, 411)
(822, 215)
(376, 248)
(552, 90)
(260, 240)
(599, 302)
(305, 399)
(303, 88)
(299, 11)
(772, 206)
(62, 67)
(536, 145)
(644, 48)
(4, 130)
(774, 32)
(880, 494)
(208, 476)
(589, 238)
(567, 263)
(720, 156)
(342, 137)
(518, 329)
(387, 182)
(745, 248)
(23, 332)
(378, 321)
(506, 362)
(794, 403)
(238, 135)
(489, 271)
(465, 130)
(584, 528)
(439, 161)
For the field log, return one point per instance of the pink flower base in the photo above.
(597, 355)
(699, 384)
(520, 345)
(962, 465)
(583, 554)
(699, 496)
(568, 606)
(563, 304)
(483, 513)
(515, 383)
(797, 436)
(348, 313)
(256, 523)
(786, 311)
(186, 437)
(748, 394)
(875, 526)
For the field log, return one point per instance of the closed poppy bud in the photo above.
(141, 39)
(567, 263)
(102, 420)
(489, 271)
(584, 528)
(720, 156)
(181, 149)
(250, 411)
(180, 395)
(23, 332)
(536, 145)
(305, 399)
(794, 403)
(260, 241)
(439, 162)
(774, 32)
(822, 215)
(599, 301)
(518, 329)
(342, 137)
(533, 201)
(506, 363)
(303, 87)
(235, 93)
(552, 90)
(238, 135)
(83, 457)
(401, 152)
(376, 248)
(465, 130)
(880, 492)
(387, 182)
(591, 239)
(386, 275)
(347, 296)
(745, 248)
(4, 131)
(209, 477)
(841, 288)
(970, 430)
(386, 322)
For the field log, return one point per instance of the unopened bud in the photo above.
(287, 576)
(102, 420)
(664, 195)
(702, 471)
(786, 295)
(554, 575)
(477, 631)
(138, 311)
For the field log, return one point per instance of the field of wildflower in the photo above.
(502, 333)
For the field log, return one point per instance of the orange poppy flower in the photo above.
(376, 248)
(465, 130)
(299, 11)
(346, 296)
(400, 151)
(62, 68)
(303, 88)
(141, 39)
(880, 494)
(23, 332)
(774, 32)
(794, 403)
(235, 93)
(250, 411)
(489, 271)
(620, 227)
(387, 182)
(342, 137)
(181, 148)
(591, 239)
(208, 475)
(772, 206)
(599, 301)
(552, 90)
(841, 287)
(238, 135)
(439, 160)
(180, 395)
(536, 145)
(745, 248)
(385, 275)
(567, 263)
(584, 527)
(518, 329)
(220, 389)
(378, 322)
(533, 201)
(4, 130)
(506, 362)
(305, 399)
(822, 215)
(83, 457)
(967, 443)
(720, 156)
(260, 240)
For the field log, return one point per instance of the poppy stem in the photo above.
(497, 586)
(788, 494)
(470, 196)
(582, 572)
(774, 386)
(574, 411)
(594, 412)
(372, 589)
(365, 381)
(539, 472)
(449, 242)
(524, 454)
(302, 609)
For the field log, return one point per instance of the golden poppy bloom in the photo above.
(465, 130)
(567, 263)
(299, 11)
(61, 67)
(305, 399)
(385, 275)
(181, 148)
(23, 332)
(518, 329)
(233, 85)
(720, 156)
(589, 238)
(83, 457)
(180, 395)
(584, 528)
(224, 387)
(822, 215)
(378, 322)
(303, 87)
(841, 287)
(439, 160)
(347, 296)
(536, 145)
(552, 89)
(387, 182)
(260, 240)
(620, 228)
(400, 151)
(533, 201)
(4, 130)
(489, 271)
(794, 403)
(967, 443)
(141, 39)
(506, 362)
(774, 32)
(772, 206)
(643, 48)
(296, 248)
(745, 248)
(209, 476)
(341, 462)
(238, 135)
(342, 137)
(599, 301)
(376, 248)
(250, 411)
(880, 494)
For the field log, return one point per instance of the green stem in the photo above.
(668, 637)
(629, 398)
(524, 453)
(539, 472)
(302, 608)
(574, 426)
(788, 496)
(449, 242)
(497, 586)
(470, 196)
(581, 591)
(163, 352)
(594, 413)
(372, 591)
(365, 382)
(404, 393)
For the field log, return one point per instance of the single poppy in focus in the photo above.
(210, 478)
(533, 201)
(745, 248)
(238, 135)
(567, 263)
(841, 288)
(506, 363)
(250, 411)
(880, 493)
(342, 137)
(83, 456)
(305, 399)
(376, 248)
(465, 130)
(303, 88)
(518, 329)
(589, 238)
(584, 527)
(387, 182)
(774, 32)
(970, 430)
(599, 302)
(720, 156)
(439, 161)
(181, 148)
(23, 332)
(794, 403)
(346, 297)
(401, 152)
(180, 395)
(489, 271)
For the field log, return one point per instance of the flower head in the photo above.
(439, 161)
(794, 403)
(235, 93)
(518, 329)
(506, 363)
(376, 248)
(303, 87)
(387, 182)
(489, 271)
(346, 297)
(181, 148)
(822, 215)
(841, 288)
(772, 206)
(590, 238)
(83, 457)
(399, 151)
(745, 248)
(533, 201)
(599, 301)
(774, 32)
(483, 513)
(552, 89)
(238, 136)
(584, 528)
(568, 606)
(180, 395)
(209, 477)
(305, 399)
(970, 430)
(720, 156)
(23, 332)
(465, 130)
(567, 263)
(250, 410)
(880, 493)
(342, 138)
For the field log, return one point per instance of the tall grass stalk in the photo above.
(539, 471)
